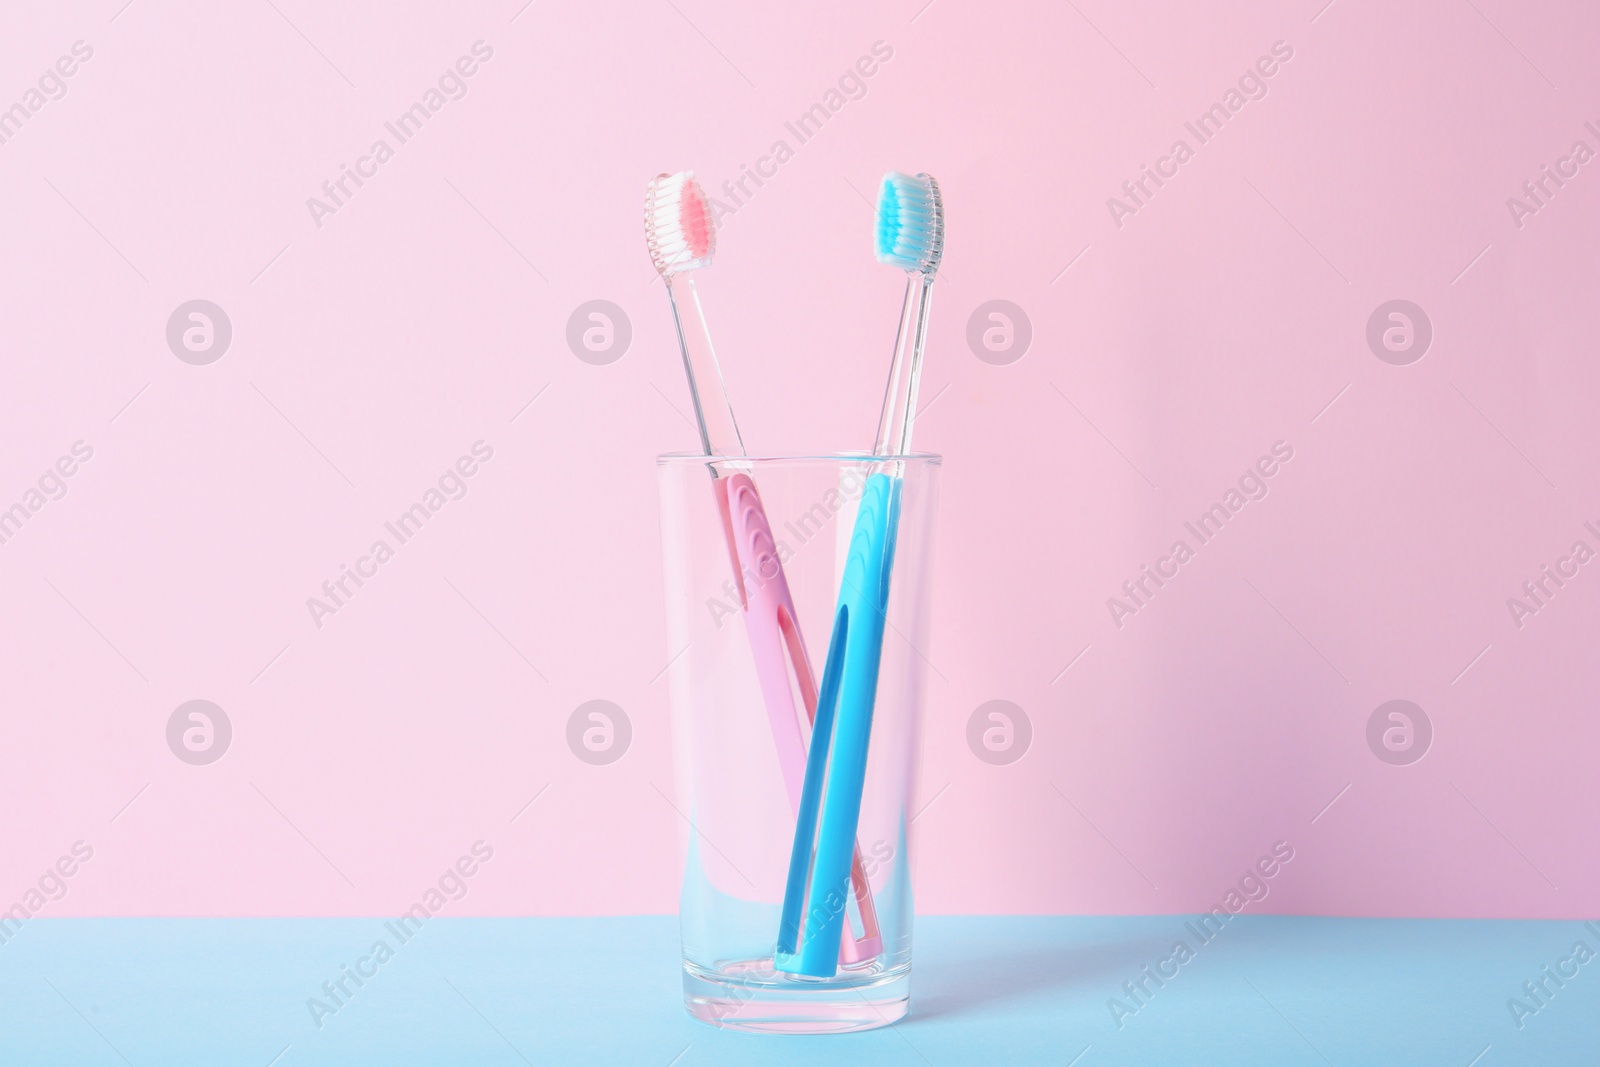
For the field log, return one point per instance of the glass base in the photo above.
(750, 995)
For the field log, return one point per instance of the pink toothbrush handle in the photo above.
(776, 646)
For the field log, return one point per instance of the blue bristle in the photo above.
(910, 229)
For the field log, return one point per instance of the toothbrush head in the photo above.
(910, 232)
(678, 226)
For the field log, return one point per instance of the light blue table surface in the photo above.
(1267, 990)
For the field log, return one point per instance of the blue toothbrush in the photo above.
(910, 236)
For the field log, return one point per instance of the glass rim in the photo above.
(921, 459)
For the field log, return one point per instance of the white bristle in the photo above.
(910, 233)
(663, 226)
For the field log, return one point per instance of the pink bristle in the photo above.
(695, 220)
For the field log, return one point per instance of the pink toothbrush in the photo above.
(681, 237)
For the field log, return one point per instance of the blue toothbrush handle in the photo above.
(818, 886)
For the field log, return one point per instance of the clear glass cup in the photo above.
(736, 801)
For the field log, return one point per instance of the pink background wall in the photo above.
(1227, 313)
